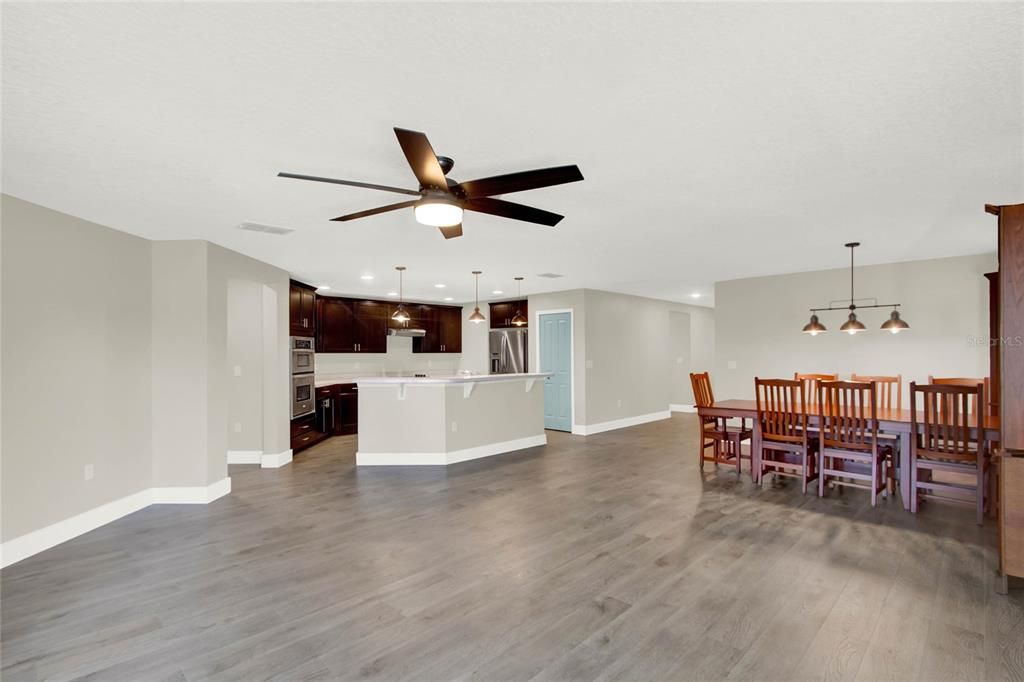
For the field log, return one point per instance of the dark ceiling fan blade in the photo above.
(518, 182)
(375, 211)
(421, 158)
(351, 183)
(507, 209)
(452, 231)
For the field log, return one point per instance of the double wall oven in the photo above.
(303, 402)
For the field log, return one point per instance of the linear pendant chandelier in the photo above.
(852, 325)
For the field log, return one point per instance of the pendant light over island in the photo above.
(477, 317)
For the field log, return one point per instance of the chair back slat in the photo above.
(965, 381)
(781, 409)
(948, 413)
(810, 383)
(848, 412)
(703, 396)
(888, 390)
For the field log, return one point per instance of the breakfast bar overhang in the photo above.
(444, 420)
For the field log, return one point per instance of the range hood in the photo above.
(408, 332)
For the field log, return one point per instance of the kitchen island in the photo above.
(443, 420)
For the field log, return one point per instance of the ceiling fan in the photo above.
(441, 201)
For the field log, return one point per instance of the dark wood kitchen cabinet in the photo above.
(301, 309)
(336, 325)
(371, 328)
(503, 312)
(348, 325)
(449, 325)
(346, 410)
(304, 433)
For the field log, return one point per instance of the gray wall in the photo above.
(76, 366)
(627, 349)
(634, 347)
(115, 354)
(945, 301)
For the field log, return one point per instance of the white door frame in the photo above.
(572, 356)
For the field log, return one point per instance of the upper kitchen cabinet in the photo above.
(502, 313)
(424, 317)
(336, 325)
(301, 309)
(371, 319)
(450, 329)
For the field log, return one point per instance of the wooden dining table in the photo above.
(890, 421)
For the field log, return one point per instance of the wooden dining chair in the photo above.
(787, 448)
(724, 440)
(947, 439)
(888, 390)
(963, 381)
(889, 398)
(850, 452)
(810, 382)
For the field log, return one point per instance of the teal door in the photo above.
(556, 356)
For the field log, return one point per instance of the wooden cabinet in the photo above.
(371, 326)
(1008, 367)
(347, 325)
(304, 433)
(503, 312)
(346, 409)
(449, 324)
(301, 309)
(336, 325)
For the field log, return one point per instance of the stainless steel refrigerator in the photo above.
(508, 351)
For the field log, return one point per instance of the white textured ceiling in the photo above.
(717, 141)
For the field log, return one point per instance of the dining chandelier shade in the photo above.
(400, 315)
(895, 324)
(477, 317)
(519, 319)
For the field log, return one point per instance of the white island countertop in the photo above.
(450, 379)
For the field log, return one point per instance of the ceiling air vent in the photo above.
(269, 229)
(550, 275)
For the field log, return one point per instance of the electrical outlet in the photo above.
(238, 370)
(455, 427)
(590, 364)
(620, 403)
(679, 361)
(238, 427)
(89, 472)
(732, 364)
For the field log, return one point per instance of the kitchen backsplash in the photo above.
(399, 358)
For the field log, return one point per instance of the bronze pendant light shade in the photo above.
(400, 315)
(477, 317)
(814, 327)
(519, 319)
(894, 324)
(852, 325)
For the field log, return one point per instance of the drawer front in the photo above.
(325, 392)
(303, 425)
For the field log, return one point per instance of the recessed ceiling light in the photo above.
(440, 286)
(322, 287)
(449, 298)
(497, 292)
(695, 294)
(366, 277)
(392, 293)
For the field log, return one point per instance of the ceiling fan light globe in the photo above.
(438, 214)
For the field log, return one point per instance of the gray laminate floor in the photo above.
(605, 557)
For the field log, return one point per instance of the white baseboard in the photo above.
(443, 458)
(192, 494)
(37, 541)
(275, 461)
(40, 540)
(244, 456)
(681, 407)
(591, 429)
